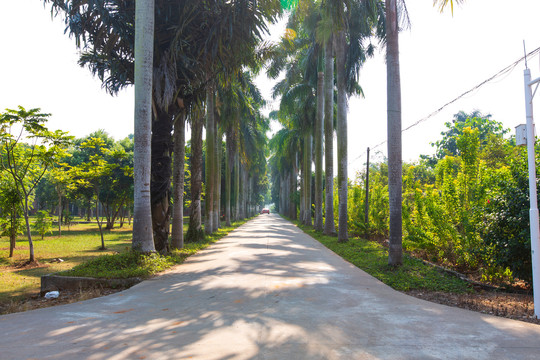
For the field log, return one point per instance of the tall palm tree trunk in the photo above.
(302, 203)
(144, 44)
(318, 225)
(228, 175)
(217, 174)
(292, 192)
(210, 159)
(393, 87)
(161, 177)
(342, 137)
(243, 189)
(309, 158)
(237, 184)
(287, 194)
(329, 224)
(241, 192)
(177, 236)
(195, 232)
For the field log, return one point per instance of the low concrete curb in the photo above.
(54, 282)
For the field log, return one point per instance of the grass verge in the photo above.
(132, 264)
(372, 257)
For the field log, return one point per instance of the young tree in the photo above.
(43, 224)
(27, 163)
(94, 173)
(60, 177)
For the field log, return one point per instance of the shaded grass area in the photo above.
(372, 257)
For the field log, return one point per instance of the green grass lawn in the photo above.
(372, 257)
(79, 248)
(75, 246)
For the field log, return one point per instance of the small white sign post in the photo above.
(533, 211)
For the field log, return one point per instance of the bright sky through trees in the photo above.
(442, 56)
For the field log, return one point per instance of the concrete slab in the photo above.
(267, 291)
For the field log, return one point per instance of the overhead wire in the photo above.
(508, 69)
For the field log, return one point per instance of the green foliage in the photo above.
(27, 162)
(67, 218)
(124, 265)
(467, 210)
(476, 120)
(11, 220)
(43, 223)
(506, 232)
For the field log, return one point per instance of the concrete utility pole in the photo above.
(533, 211)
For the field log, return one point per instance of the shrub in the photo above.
(43, 224)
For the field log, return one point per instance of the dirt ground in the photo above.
(512, 306)
(66, 297)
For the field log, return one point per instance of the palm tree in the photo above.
(177, 235)
(329, 224)
(284, 147)
(319, 120)
(354, 23)
(210, 172)
(393, 86)
(195, 232)
(342, 137)
(394, 133)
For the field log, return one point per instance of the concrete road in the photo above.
(266, 291)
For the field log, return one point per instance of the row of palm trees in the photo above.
(327, 44)
(189, 66)
(193, 57)
(320, 31)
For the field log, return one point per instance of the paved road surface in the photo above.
(267, 291)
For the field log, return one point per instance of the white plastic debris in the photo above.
(52, 295)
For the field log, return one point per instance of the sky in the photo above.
(442, 56)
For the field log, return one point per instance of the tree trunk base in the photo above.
(194, 235)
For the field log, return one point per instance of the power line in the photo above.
(502, 72)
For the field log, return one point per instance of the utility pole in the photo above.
(533, 211)
(366, 205)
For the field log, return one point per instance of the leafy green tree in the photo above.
(486, 127)
(114, 195)
(43, 223)
(97, 172)
(506, 227)
(117, 194)
(59, 176)
(27, 163)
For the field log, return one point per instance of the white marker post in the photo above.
(533, 211)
